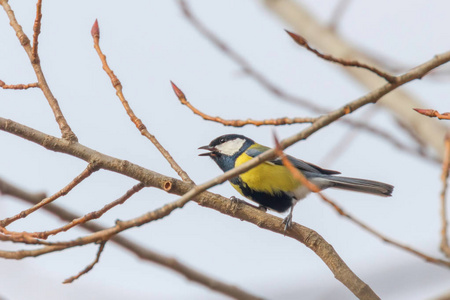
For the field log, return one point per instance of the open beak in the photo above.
(208, 148)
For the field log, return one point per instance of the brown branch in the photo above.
(88, 267)
(66, 131)
(21, 238)
(95, 32)
(445, 248)
(433, 113)
(91, 168)
(37, 30)
(18, 86)
(90, 216)
(344, 62)
(131, 246)
(238, 123)
(277, 91)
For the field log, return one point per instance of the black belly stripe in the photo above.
(280, 202)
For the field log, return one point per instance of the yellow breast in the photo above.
(267, 177)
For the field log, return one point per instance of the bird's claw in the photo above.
(235, 200)
(287, 222)
(262, 208)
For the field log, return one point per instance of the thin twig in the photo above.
(426, 257)
(344, 62)
(91, 168)
(37, 30)
(238, 123)
(433, 113)
(95, 32)
(445, 248)
(88, 267)
(90, 216)
(18, 86)
(66, 131)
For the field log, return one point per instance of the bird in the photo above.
(271, 184)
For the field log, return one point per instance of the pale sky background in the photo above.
(148, 43)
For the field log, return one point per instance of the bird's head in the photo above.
(226, 148)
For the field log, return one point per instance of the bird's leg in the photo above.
(288, 220)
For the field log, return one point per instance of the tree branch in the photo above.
(66, 132)
(88, 267)
(344, 62)
(83, 175)
(95, 32)
(238, 123)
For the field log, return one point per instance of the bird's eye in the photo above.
(222, 141)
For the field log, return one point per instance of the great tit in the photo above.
(271, 184)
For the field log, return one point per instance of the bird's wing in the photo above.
(255, 150)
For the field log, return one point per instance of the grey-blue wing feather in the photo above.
(255, 150)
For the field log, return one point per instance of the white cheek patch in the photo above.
(230, 147)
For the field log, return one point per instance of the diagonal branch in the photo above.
(95, 32)
(91, 168)
(238, 123)
(406, 248)
(90, 216)
(344, 62)
(88, 267)
(66, 132)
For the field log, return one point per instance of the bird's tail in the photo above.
(355, 184)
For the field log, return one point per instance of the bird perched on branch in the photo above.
(271, 184)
